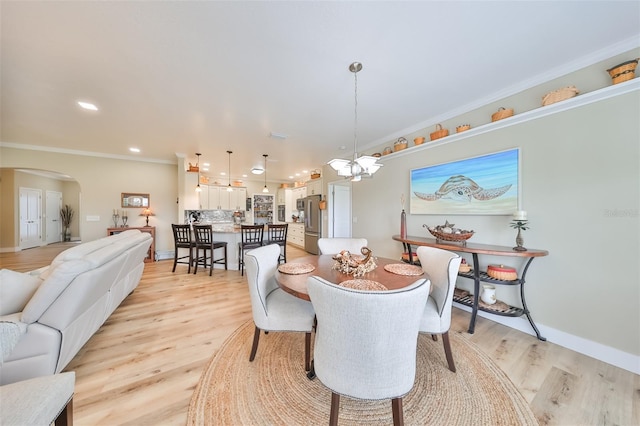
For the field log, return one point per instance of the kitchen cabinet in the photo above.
(281, 196)
(314, 187)
(218, 198)
(295, 234)
(238, 199)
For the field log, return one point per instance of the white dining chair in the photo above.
(336, 245)
(442, 268)
(273, 309)
(365, 345)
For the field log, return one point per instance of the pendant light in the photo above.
(229, 189)
(265, 189)
(360, 166)
(198, 189)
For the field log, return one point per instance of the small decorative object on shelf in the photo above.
(462, 128)
(125, 217)
(439, 133)
(559, 95)
(403, 219)
(520, 223)
(448, 232)
(624, 71)
(464, 267)
(115, 216)
(355, 265)
(400, 144)
(419, 140)
(501, 113)
(488, 294)
(502, 272)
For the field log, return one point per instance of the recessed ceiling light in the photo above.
(205, 169)
(305, 171)
(244, 175)
(290, 177)
(297, 174)
(88, 106)
(206, 164)
(257, 170)
(223, 173)
(132, 149)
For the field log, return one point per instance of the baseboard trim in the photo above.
(581, 345)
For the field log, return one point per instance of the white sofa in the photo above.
(49, 314)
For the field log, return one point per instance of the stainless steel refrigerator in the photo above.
(312, 223)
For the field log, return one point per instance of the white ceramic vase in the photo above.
(488, 295)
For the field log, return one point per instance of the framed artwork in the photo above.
(487, 184)
(134, 200)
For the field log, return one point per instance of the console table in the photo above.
(480, 276)
(151, 255)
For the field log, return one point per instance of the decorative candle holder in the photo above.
(115, 218)
(124, 220)
(520, 225)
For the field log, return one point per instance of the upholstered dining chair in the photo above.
(366, 341)
(336, 245)
(277, 234)
(251, 236)
(442, 268)
(273, 309)
(204, 241)
(182, 240)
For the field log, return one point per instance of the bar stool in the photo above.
(205, 242)
(182, 240)
(250, 238)
(277, 234)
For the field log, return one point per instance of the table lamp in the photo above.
(147, 212)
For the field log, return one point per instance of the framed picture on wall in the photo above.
(487, 184)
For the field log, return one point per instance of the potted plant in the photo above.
(66, 216)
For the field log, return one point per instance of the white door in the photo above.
(53, 224)
(30, 218)
(339, 211)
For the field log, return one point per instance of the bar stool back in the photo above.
(182, 240)
(277, 234)
(205, 242)
(251, 237)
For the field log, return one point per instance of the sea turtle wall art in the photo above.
(480, 185)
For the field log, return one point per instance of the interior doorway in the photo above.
(30, 218)
(53, 226)
(339, 208)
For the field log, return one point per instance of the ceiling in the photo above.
(180, 77)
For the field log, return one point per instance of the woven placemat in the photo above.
(296, 268)
(403, 269)
(274, 389)
(363, 285)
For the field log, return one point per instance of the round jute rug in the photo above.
(274, 390)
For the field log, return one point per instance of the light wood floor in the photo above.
(141, 367)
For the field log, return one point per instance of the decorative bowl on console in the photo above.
(448, 232)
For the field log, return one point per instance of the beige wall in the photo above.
(101, 181)
(580, 173)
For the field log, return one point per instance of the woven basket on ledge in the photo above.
(624, 71)
(502, 113)
(559, 95)
(439, 133)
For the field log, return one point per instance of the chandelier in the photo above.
(360, 166)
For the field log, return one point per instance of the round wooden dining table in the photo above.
(296, 284)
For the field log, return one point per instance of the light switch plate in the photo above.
(93, 218)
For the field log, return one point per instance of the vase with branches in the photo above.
(66, 216)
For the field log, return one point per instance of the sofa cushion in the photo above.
(51, 288)
(16, 288)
